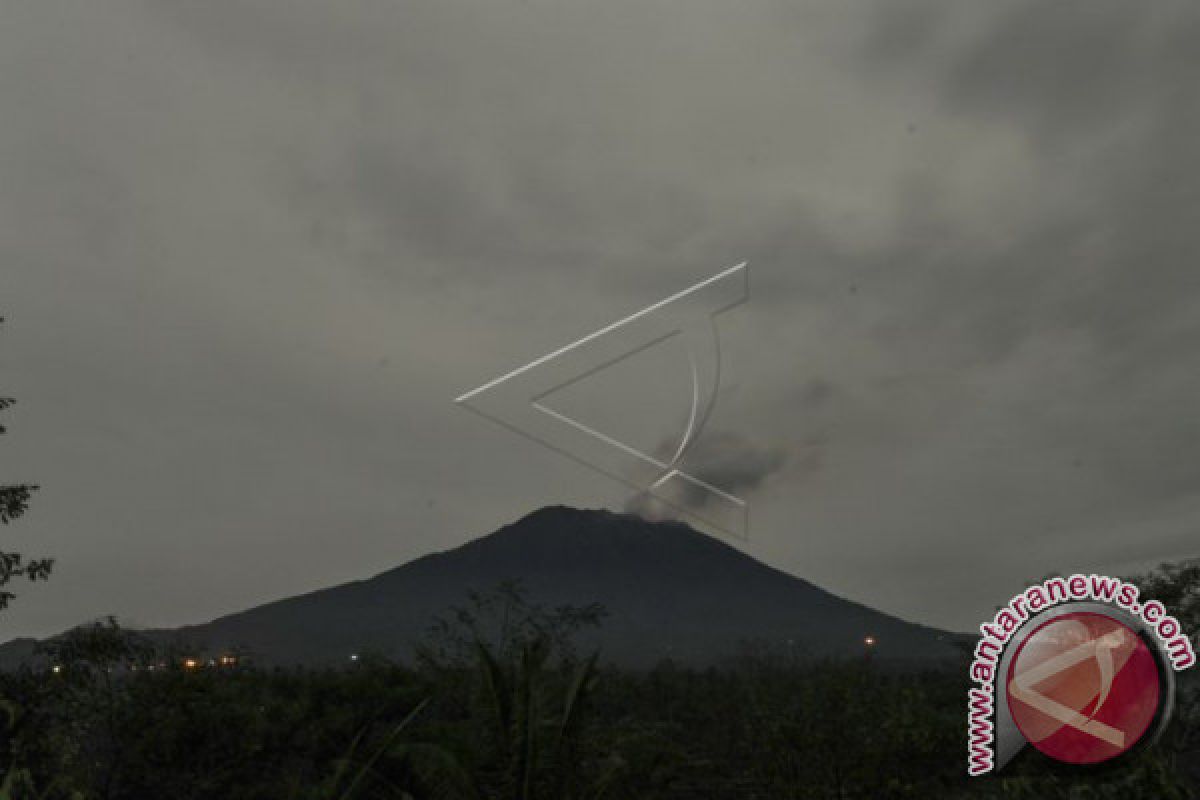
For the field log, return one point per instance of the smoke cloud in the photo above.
(726, 460)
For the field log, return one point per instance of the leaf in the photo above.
(387, 743)
(496, 686)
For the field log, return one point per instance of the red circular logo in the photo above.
(1083, 688)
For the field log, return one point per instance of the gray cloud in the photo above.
(723, 459)
(257, 249)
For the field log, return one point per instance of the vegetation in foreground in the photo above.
(500, 705)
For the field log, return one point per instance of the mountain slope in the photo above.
(670, 592)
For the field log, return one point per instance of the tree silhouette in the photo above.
(14, 501)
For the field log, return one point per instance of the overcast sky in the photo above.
(251, 251)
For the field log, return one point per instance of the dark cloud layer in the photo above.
(251, 251)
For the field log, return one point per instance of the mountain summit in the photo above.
(671, 592)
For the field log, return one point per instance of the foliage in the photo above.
(504, 621)
(1177, 586)
(14, 501)
(518, 716)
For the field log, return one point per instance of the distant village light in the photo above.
(57, 669)
(354, 656)
(869, 641)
